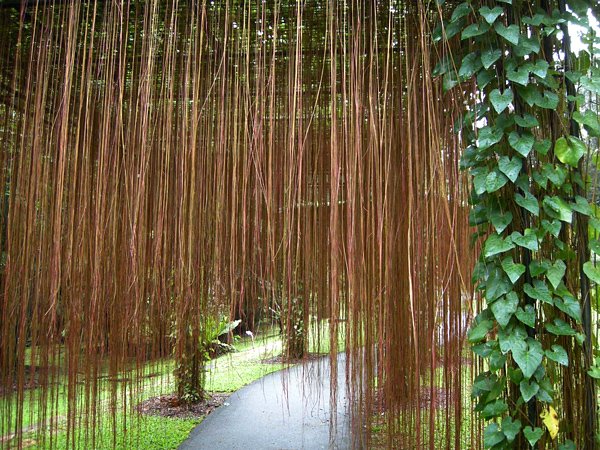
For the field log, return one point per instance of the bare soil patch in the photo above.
(169, 406)
(281, 360)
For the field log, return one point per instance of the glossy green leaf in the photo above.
(511, 337)
(495, 245)
(495, 180)
(510, 167)
(494, 409)
(527, 45)
(528, 356)
(542, 147)
(557, 175)
(591, 272)
(484, 77)
(496, 285)
(582, 206)
(511, 33)
(501, 221)
(526, 121)
(500, 101)
(569, 152)
(533, 434)
(557, 208)
(513, 270)
(489, 136)
(505, 307)
(510, 428)
(492, 435)
(518, 75)
(490, 56)
(478, 333)
(460, 11)
(539, 267)
(552, 227)
(490, 15)
(522, 143)
(529, 202)
(555, 273)
(589, 119)
(526, 316)
(549, 100)
(570, 307)
(540, 68)
(538, 291)
(560, 328)
(470, 65)
(528, 240)
(558, 354)
(479, 180)
(475, 29)
(528, 389)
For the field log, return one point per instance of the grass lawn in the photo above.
(225, 374)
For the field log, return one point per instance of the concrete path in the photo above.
(287, 410)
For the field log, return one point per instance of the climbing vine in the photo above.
(526, 157)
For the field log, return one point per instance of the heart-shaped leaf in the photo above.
(527, 121)
(484, 77)
(510, 167)
(569, 306)
(557, 175)
(542, 147)
(478, 333)
(511, 33)
(495, 245)
(500, 101)
(528, 356)
(492, 435)
(490, 15)
(552, 227)
(582, 206)
(537, 268)
(569, 152)
(460, 11)
(527, 315)
(511, 337)
(518, 75)
(490, 56)
(475, 29)
(529, 202)
(494, 409)
(489, 136)
(557, 208)
(590, 120)
(548, 100)
(538, 291)
(470, 65)
(528, 389)
(522, 143)
(591, 272)
(495, 181)
(533, 434)
(528, 240)
(550, 419)
(504, 308)
(514, 271)
(501, 221)
(560, 328)
(558, 354)
(555, 273)
(497, 285)
(527, 45)
(510, 428)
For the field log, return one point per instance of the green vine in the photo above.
(528, 198)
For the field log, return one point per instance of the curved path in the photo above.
(286, 410)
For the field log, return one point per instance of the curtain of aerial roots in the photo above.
(166, 162)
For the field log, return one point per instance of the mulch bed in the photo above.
(169, 406)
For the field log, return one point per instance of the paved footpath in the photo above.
(286, 410)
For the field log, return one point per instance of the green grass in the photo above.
(225, 374)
